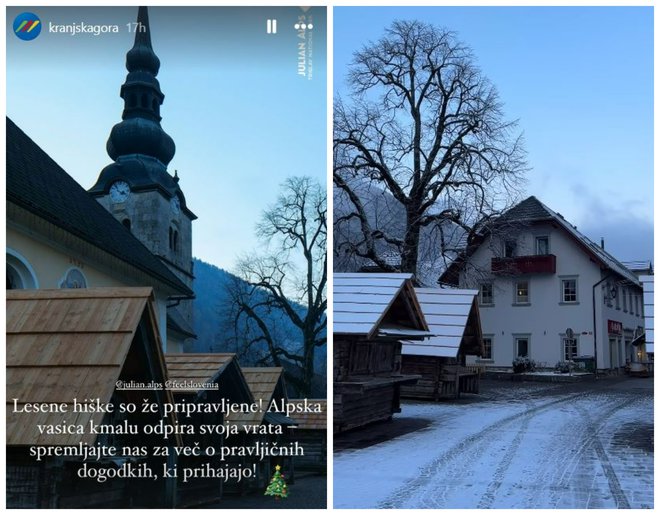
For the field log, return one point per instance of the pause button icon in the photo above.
(271, 26)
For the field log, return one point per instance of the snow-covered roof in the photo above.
(647, 283)
(362, 300)
(446, 312)
(533, 210)
(605, 257)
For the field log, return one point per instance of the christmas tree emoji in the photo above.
(277, 486)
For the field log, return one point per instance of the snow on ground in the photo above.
(529, 445)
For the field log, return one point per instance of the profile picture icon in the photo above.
(27, 26)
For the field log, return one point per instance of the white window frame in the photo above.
(516, 301)
(490, 337)
(516, 338)
(492, 295)
(562, 290)
(547, 245)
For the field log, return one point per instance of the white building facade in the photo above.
(537, 280)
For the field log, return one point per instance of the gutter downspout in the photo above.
(593, 306)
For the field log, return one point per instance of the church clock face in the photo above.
(119, 191)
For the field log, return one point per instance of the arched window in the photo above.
(20, 273)
(144, 101)
(154, 104)
(174, 238)
(74, 278)
(126, 222)
(132, 100)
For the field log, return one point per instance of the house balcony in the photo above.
(546, 264)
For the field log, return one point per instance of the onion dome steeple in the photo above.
(140, 131)
(139, 147)
(142, 56)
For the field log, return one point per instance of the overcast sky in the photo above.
(580, 82)
(241, 116)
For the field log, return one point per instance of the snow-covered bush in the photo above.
(523, 365)
(564, 367)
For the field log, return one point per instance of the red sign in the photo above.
(614, 327)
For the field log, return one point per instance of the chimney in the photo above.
(602, 243)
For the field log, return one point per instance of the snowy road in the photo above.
(518, 445)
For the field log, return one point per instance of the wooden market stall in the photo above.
(185, 373)
(85, 346)
(453, 319)
(373, 312)
(267, 386)
(311, 433)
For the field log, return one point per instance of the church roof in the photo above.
(38, 184)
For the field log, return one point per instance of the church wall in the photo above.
(50, 265)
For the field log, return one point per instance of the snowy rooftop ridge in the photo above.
(605, 257)
(446, 312)
(362, 300)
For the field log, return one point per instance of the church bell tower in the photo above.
(136, 187)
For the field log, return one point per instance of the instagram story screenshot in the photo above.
(166, 257)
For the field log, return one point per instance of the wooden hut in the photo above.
(185, 372)
(372, 314)
(453, 319)
(311, 433)
(266, 386)
(83, 345)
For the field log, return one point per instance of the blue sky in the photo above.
(580, 82)
(241, 117)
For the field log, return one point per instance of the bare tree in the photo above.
(289, 281)
(424, 127)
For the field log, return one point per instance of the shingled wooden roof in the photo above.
(65, 344)
(310, 420)
(199, 368)
(262, 382)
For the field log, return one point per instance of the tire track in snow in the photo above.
(593, 441)
(459, 451)
(563, 459)
(488, 497)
